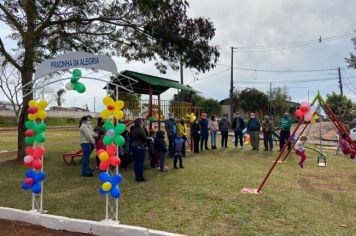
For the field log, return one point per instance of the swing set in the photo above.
(284, 153)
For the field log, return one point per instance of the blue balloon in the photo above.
(116, 179)
(30, 173)
(115, 192)
(25, 186)
(294, 138)
(40, 176)
(102, 191)
(36, 188)
(104, 177)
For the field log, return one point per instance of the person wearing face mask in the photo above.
(267, 129)
(196, 135)
(284, 124)
(224, 130)
(238, 126)
(253, 129)
(204, 136)
(171, 130)
(87, 143)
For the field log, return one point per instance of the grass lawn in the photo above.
(202, 199)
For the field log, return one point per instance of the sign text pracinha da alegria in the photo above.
(63, 64)
(76, 60)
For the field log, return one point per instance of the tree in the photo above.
(210, 106)
(352, 59)
(253, 100)
(278, 97)
(59, 97)
(157, 30)
(184, 96)
(339, 104)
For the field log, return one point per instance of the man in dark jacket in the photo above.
(196, 135)
(267, 129)
(224, 129)
(204, 135)
(253, 129)
(238, 126)
(284, 124)
(171, 130)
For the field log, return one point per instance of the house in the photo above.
(6, 105)
(56, 108)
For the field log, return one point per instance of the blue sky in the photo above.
(259, 22)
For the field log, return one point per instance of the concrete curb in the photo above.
(77, 225)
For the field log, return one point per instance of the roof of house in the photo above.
(145, 81)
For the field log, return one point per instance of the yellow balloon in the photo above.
(105, 114)
(32, 103)
(42, 105)
(108, 101)
(42, 114)
(104, 156)
(118, 114)
(120, 104)
(32, 116)
(106, 186)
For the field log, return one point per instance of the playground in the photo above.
(204, 198)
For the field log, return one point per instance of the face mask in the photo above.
(89, 122)
(252, 117)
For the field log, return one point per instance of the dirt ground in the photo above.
(15, 228)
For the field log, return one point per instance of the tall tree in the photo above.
(252, 99)
(210, 106)
(278, 100)
(352, 59)
(339, 104)
(59, 97)
(157, 30)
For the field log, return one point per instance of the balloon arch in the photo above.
(35, 139)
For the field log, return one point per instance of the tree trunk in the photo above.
(26, 77)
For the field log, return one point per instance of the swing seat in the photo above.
(78, 154)
(321, 161)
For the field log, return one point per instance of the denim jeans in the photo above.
(213, 137)
(86, 149)
(238, 135)
(224, 137)
(204, 140)
(139, 158)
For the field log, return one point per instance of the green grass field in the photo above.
(11, 122)
(202, 199)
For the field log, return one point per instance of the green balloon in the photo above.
(30, 140)
(30, 124)
(40, 128)
(80, 87)
(119, 140)
(108, 140)
(151, 119)
(120, 128)
(40, 138)
(73, 81)
(108, 125)
(76, 74)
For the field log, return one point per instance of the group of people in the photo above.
(139, 140)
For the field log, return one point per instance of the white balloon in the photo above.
(68, 86)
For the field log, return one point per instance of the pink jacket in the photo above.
(214, 125)
(345, 146)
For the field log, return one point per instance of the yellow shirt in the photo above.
(182, 130)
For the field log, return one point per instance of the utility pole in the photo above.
(340, 82)
(270, 98)
(232, 83)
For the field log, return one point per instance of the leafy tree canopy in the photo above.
(339, 104)
(252, 99)
(352, 59)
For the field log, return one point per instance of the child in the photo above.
(346, 148)
(151, 149)
(299, 150)
(99, 145)
(124, 151)
(179, 141)
(161, 150)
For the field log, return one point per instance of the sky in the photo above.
(244, 23)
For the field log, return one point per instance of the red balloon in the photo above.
(104, 165)
(32, 110)
(304, 109)
(100, 151)
(112, 149)
(29, 150)
(38, 152)
(37, 164)
(29, 181)
(299, 113)
(28, 164)
(115, 161)
(30, 133)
